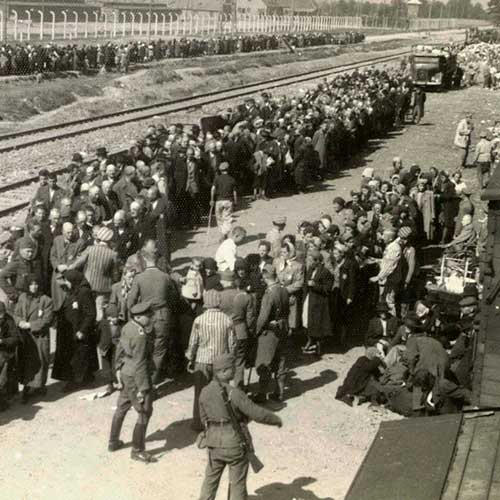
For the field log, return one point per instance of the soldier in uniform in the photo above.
(222, 440)
(134, 365)
(272, 332)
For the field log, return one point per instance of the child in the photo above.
(212, 279)
(192, 289)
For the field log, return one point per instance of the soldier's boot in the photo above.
(115, 443)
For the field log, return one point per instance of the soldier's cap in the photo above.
(141, 308)
(269, 271)
(223, 362)
(101, 151)
(26, 242)
(224, 166)
(227, 275)
(211, 299)
(280, 220)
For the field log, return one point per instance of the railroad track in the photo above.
(16, 196)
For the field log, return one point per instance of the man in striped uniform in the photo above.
(212, 334)
(100, 268)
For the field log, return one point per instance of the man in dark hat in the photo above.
(381, 329)
(272, 331)
(134, 365)
(223, 443)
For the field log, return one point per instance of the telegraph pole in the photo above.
(5, 18)
(149, 20)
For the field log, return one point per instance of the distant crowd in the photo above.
(24, 59)
(481, 64)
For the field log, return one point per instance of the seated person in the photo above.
(381, 329)
(465, 239)
(361, 379)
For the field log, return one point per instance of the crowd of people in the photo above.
(32, 58)
(480, 63)
(94, 262)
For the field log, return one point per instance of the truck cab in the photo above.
(432, 68)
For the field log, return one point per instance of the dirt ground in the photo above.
(56, 448)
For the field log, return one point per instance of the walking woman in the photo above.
(76, 356)
(33, 315)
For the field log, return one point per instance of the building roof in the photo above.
(299, 5)
(203, 5)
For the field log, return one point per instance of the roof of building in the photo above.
(298, 5)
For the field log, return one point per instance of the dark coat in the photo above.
(43, 195)
(76, 359)
(125, 244)
(449, 202)
(348, 278)
(318, 303)
(8, 347)
(358, 376)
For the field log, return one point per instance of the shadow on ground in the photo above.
(291, 491)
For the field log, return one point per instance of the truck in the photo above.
(433, 68)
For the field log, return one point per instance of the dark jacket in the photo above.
(348, 276)
(318, 306)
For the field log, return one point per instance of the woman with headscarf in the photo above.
(76, 357)
(33, 316)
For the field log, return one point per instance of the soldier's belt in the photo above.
(219, 422)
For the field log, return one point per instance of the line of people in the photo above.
(31, 58)
(102, 218)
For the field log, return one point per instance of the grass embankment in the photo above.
(71, 98)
